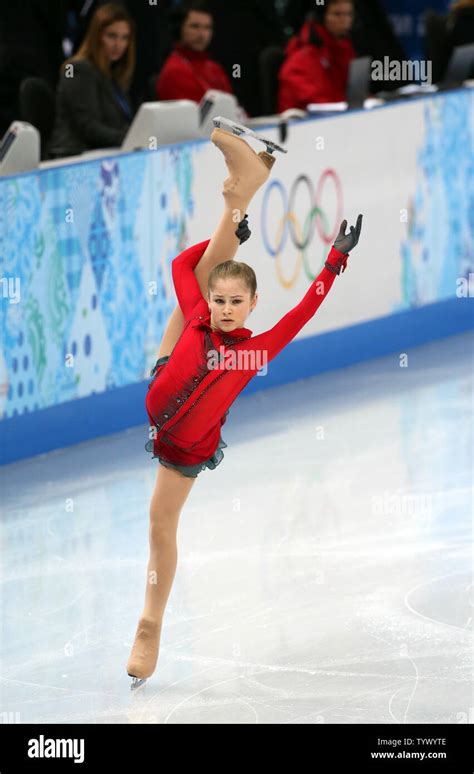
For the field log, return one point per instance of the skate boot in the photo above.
(239, 129)
(144, 654)
(248, 170)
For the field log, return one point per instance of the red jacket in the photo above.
(188, 74)
(311, 73)
(188, 399)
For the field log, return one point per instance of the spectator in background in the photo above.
(372, 33)
(189, 71)
(93, 108)
(317, 60)
(153, 35)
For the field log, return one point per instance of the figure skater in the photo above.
(205, 360)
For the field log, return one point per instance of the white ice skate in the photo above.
(144, 655)
(234, 128)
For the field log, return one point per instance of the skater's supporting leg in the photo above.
(171, 491)
(170, 494)
(247, 173)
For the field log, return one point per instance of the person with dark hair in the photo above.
(371, 34)
(152, 31)
(93, 105)
(189, 71)
(317, 61)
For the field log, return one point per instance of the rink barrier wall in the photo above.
(116, 410)
(85, 283)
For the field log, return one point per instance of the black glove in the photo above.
(243, 232)
(345, 242)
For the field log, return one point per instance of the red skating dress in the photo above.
(190, 394)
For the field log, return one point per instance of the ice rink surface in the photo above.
(324, 572)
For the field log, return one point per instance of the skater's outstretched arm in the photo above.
(209, 405)
(271, 342)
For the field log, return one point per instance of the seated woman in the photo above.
(92, 105)
(317, 61)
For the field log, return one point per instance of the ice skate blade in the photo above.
(225, 123)
(137, 682)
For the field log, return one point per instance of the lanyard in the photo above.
(121, 99)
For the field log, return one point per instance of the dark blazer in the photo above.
(88, 114)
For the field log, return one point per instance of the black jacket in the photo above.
(88, 114)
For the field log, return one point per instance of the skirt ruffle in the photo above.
(192, 471)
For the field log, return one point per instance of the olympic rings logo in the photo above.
(289, 223)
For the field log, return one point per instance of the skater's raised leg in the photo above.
(248, 171)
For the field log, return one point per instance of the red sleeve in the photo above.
(185, 283)
(272, 341)
(215, 395)
(176, 81)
